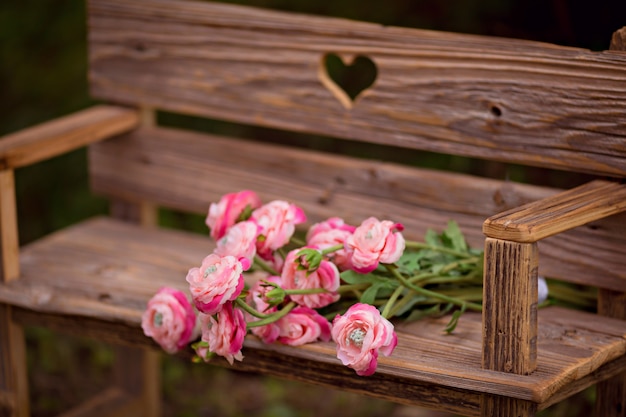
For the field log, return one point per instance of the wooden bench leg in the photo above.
(14, 401)
(495, 405)
(611, 394)
(138, 373)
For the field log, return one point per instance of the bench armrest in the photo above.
(511, 266)
(540, 219)
(64, 134)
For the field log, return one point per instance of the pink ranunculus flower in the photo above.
(239, 241)
(277, 220)
(218, 281)
(225, 332)
(360, 334)
(256, 299)
(331, 232)
(375, 241)
(169, 319)
(303, 325)
(227, 211)
(326, 277)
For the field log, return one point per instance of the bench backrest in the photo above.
(513, 101)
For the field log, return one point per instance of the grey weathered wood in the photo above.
(468, 95)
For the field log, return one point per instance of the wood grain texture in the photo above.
(576, 207)
(116, 267)
(200, 168)
(494, 405)
(503, 99)
(9, 239)
(14, 399)
(58, 136)
(510, 307)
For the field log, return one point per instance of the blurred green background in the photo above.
(43, 75)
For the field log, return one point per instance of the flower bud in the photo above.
(309, 260)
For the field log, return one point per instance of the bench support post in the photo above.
(495, 405)
(510, 307)
(13, 372)
(509, 319)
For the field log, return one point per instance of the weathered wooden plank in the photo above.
(200, 168)
(510, 307)
(576, 207)
(462, 94)
(130, 263)
(58, 136)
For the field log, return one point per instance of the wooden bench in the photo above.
(513, 101)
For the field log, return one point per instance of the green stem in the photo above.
(332, 249)
(428, 293)
(421, 245)
(394, 296)
(265, 266)
(447, 268)
(353, 287)
(254, 312)
(298, 242)
(306, 291)
(273, 317)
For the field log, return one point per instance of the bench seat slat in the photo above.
(107, 270)
(187, 171)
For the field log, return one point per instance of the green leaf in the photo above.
(432, 238)
(352, 277)
(369, 295)
(408, 306)
(410, 262)
(454, 320)
(422, 313)
(454, 235)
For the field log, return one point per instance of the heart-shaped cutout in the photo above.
(347, 81)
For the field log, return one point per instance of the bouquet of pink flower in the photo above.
(337, 281)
